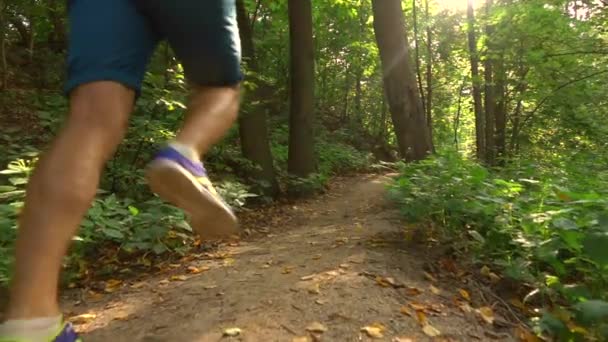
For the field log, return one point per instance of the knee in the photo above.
(102, 108)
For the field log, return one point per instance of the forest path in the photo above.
(341, 260)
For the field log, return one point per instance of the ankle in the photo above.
(185, 149)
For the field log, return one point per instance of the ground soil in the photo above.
(341, 260)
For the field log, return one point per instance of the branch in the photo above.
(560, 87)
(254, 17)
(592, 52)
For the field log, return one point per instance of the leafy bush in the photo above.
(541, 223)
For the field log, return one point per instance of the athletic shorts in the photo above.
(114, 40)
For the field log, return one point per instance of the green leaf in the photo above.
(592, 310)
(596, 247)
(113, 233)
(134, 211)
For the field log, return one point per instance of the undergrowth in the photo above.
(541, 223)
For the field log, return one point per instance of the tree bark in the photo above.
(400, 81)
(477, 105)
(490, 96)
(457, 118)
(253, 126)
(301, 160)
(417, 55)
(501, 116)
(429, 74)
(3, 63)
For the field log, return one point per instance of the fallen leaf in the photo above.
(112, 285)
(301, 339)
(412, 291)
(465, 307)
(121, 316)
(486, 314)
(431, 331)
(485, 271)
(404, 310)
(287, 269)
(228, 261)
(382, 281)
(308, 277)
(320, 302)
(465, 294)
(418, 306)
(83, 319)
(196, 270)
(435, 290)
(421, 317)
(231, 332)
(344, 266)
(164, 282)
(314, 289)
(430, 277)
(179, 278)
(316, 257)
(374, 330)
(316, 327)
(494, 278)
(526, 335)
(403, 339)
(138, 285)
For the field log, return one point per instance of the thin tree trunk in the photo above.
(490, 97)
(400, 81)
(457, 118)
(501, 116)
(253, 126)
(358, 95)
(417, 56)
(429, 73)
(3, 63)
(301, 160)
(477, 104)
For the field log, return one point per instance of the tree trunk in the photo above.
(457, 118)
(253, 127)
(501, 116)
(417, 56)
(400, 81)
(429, 74)
(477, 105)
(57, 37)
(3, 64)
(301, 159)
(490, 96)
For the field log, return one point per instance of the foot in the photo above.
(184, 183)
(66, 334)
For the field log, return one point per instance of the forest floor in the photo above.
(335, 268)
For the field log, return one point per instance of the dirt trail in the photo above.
(321, 267)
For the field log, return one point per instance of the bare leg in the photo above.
(211, 112)
(60, 192)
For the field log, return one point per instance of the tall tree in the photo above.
(301, 160)
(253, 125)
(400, 81)
(429, 71)
(489, 93)
(3, 64)
(477, 104)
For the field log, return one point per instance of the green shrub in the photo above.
(540, 223)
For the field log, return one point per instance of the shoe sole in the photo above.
(209, 218)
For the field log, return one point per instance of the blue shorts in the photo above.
(114, 40)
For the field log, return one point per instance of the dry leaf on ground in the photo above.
(434, 290)
(431, 331)
(421, 317)
(197, 270)
(465, 294)
(112, 285)
(404, 310)
(314, 289)
(375, 330)
(430, 277)
(316, 327)
(301, 339)
(412, 291)
(486, 314)
(403, 339)
(231, 332)
(83, 319)
(179, 278)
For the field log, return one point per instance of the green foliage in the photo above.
(538, 222)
